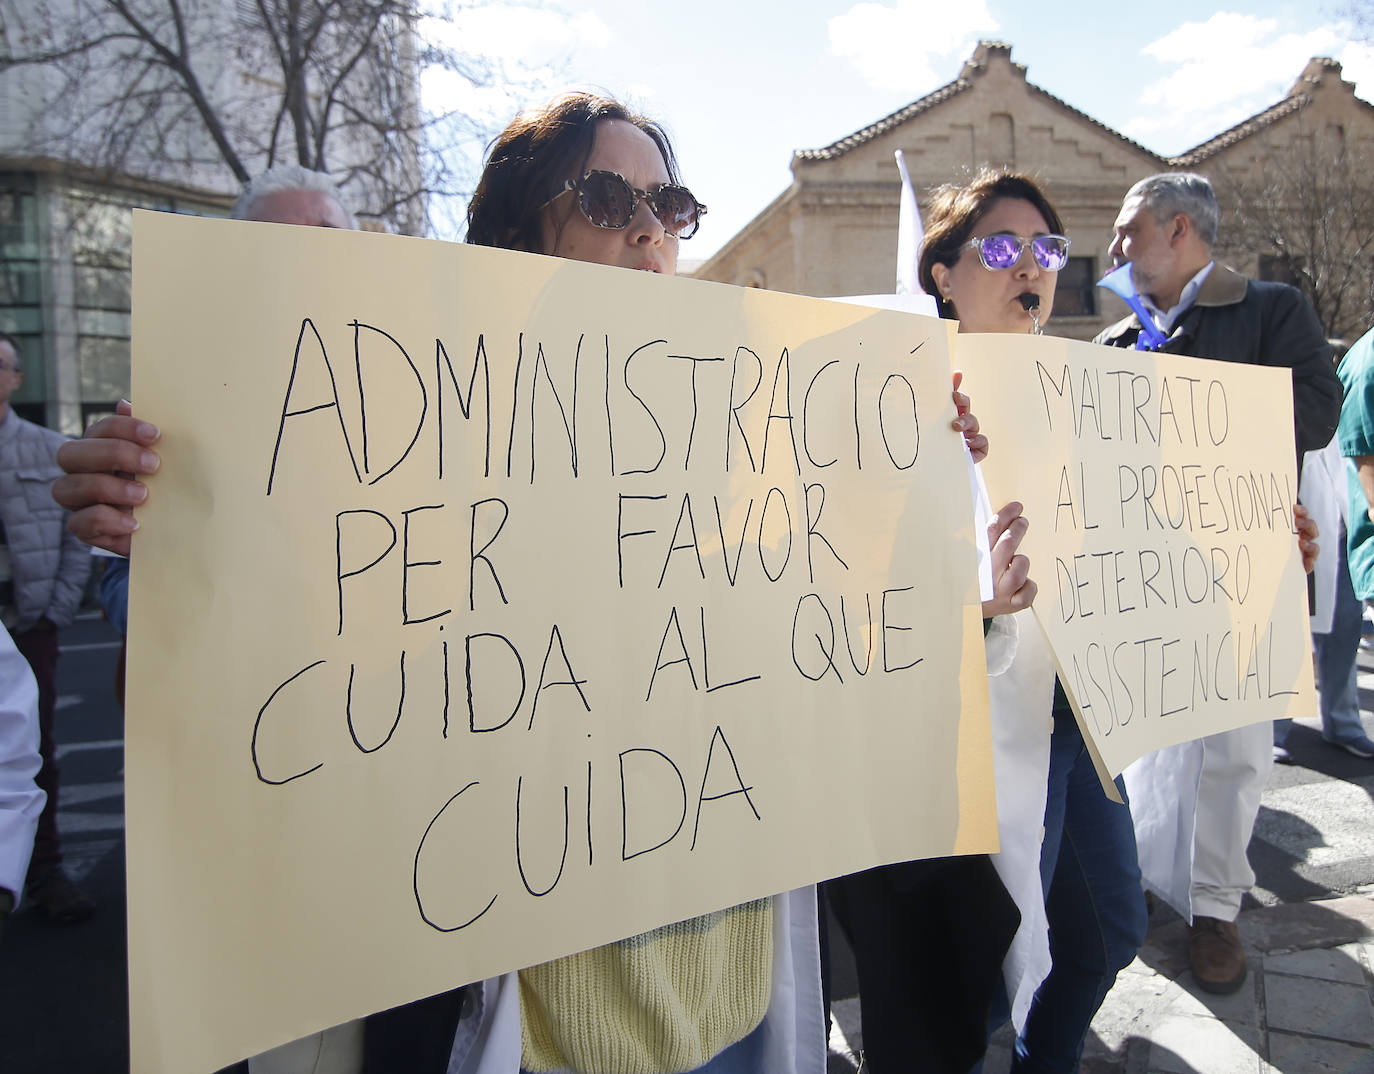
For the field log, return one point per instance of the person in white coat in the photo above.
(993, 251)
(21, 800)
(1204, 795)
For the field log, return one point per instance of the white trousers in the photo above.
(1235, 770)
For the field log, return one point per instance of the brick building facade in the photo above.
(834, 230)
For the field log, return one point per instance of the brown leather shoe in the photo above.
(1216, 954)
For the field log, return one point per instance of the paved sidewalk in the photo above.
(1307, 1006)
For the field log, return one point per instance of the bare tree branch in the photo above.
(204, 93)
(1308, 215)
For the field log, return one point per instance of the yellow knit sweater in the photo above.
(663, 1002)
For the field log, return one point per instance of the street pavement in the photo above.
(1309, 925)
(1307, 1006)
(63, 989)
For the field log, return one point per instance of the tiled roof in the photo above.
(1294, 102)
(1256, 123)
(1112, 131)
(882, 126)
(937, 97)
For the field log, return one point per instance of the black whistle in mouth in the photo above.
(1029, 301)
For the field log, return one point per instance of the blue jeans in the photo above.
(1337, 670)
(1094, 902)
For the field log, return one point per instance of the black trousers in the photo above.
(929, 938)
(415, 1038)
(39, 646)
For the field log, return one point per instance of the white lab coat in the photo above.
(488, 1040)
(1194, 804)
(20, 799)
(1324, 490)
(1194, 807)
(1021, 691)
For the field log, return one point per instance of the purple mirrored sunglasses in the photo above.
(1003, 250)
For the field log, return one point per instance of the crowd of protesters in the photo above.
(947, 949)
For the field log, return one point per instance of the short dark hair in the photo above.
(5, 337)
(533, 155)
(955, 210)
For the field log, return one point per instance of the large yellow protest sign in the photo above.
(490, 607)
(1159, 491)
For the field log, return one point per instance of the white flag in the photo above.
(909, 235)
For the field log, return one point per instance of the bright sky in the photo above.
(740, 84)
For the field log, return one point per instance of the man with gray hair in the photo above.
(291, 194)
(414, 1037)
(1195, 804)
(287, 194)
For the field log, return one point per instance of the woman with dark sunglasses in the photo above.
(731, 992)
(570, 179)
(557, 184)
(734, 991)
(993, 250)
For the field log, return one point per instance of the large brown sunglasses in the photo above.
(608, 200)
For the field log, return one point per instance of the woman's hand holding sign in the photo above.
(1012, 586)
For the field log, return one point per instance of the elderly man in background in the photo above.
(414, 1037)
(43, 571)
(1195, 804)
(289, 194)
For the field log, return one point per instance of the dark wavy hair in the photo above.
(533, 156)
(955, 211)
